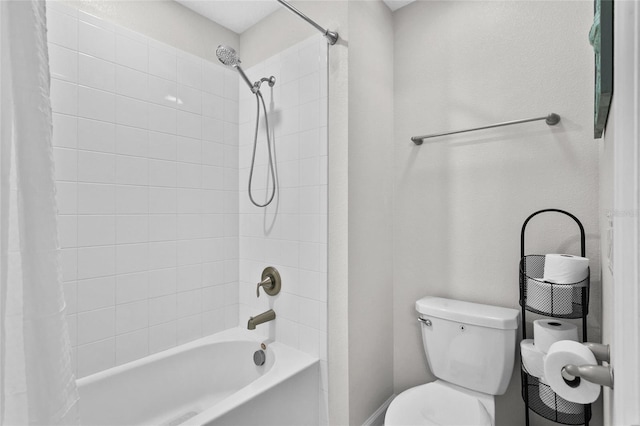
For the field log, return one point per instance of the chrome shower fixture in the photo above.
(228, 56)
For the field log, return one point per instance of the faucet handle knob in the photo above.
(267, 283)
(270, 282)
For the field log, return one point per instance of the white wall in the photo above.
(460, 201)
(360, 149)
(371, 68)
(146, 166)
(284, 30)
(291, 233)
(164, 20)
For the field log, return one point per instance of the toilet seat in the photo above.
(436, 404)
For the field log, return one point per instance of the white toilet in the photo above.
(470, 349)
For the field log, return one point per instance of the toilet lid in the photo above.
(436, 404)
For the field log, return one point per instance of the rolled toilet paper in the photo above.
(567, 352)
(565, 268)
(555, 401)
(553, 299)
(532, 358)
(548, 331)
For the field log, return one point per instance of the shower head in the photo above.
(228, 56)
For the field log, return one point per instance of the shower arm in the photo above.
(331, 36)
(246, 79)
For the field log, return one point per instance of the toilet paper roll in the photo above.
(555, 401)
(565, 268)
(567, 352)
(548, 331)
(552, 299)
(532, 358)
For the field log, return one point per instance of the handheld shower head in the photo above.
(228, 56)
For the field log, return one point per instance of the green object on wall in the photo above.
(601, 38)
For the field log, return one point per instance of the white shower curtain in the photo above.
(37, 385)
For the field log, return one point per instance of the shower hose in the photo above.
(260, 99)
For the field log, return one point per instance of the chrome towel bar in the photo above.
(551, 119)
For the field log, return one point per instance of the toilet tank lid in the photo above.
(469, 313)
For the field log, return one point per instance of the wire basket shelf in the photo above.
(545, 402)
(547, 298)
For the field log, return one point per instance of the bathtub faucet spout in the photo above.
(269, 315)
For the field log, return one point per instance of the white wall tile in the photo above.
(162, 146)
(96, 73)
(189, 125)
(162, 64)
(132, 170)
(132, 83)
(95, 357)
(63, 63)
(96, 230)
(130, 114)
(64, 97)
(96, 135)
(162, 282)
(132, 141)
(132, 287)
(96, 167)
(65, 131)
(132, 346)
(96, 41)
(188, 329)
(189, 99)
(162, 337)
(132, 199)
(96, 325)
(96, 198)
(162, 200)
(189, 72)
(131, 258)
(132, 229)
(66, 162)
(96, 104)
(68, 230)
(96, 293)
(96, 262)
(62, 29)
(132, 53)
(162, 119)
(163, 92)
(132, 316)
(189, 150)
(162, 173)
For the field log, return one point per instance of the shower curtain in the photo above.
(37, 385)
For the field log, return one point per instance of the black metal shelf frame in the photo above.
(557, 301)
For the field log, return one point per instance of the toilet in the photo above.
(470, 348)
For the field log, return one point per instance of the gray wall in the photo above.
(460, 201)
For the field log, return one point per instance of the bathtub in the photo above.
(210, 381)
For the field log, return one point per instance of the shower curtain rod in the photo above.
(551, 119)
(331, 36)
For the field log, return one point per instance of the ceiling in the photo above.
(238, 15)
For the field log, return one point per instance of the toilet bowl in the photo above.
(470, 348)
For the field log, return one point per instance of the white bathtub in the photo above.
(211, 381)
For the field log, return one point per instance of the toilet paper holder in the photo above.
(599, 374)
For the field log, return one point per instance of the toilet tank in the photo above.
(469, 344)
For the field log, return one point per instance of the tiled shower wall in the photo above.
(146, 153)
(291, 233)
